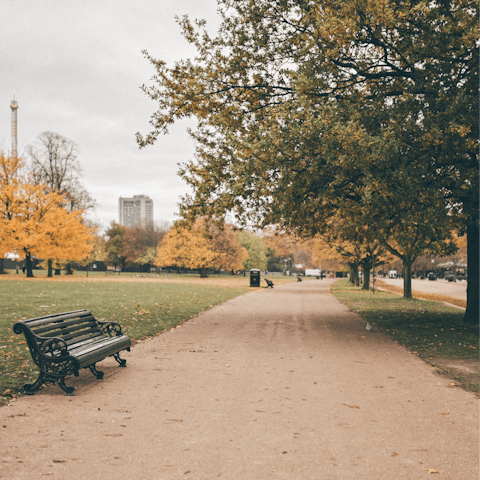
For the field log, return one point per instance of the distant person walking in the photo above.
(16, 268)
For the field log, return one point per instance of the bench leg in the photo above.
(66, 388)
(31, 388)
(96, 372)
(123, 363)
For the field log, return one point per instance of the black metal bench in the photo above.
(63, 343)
(269, 283)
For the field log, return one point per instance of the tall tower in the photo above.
(14, 107)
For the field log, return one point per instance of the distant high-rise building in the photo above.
(136, 211)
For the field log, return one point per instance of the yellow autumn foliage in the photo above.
(201, 246)
(32, 222)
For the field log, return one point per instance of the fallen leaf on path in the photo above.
(453, 384)
(444, 413)
(378, 386)
(174, 420)
(352, 406)
(394, 454)
(431, 470)
(114, 434)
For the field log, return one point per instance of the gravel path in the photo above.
(276, 384)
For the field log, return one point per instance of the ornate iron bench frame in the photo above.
(63, 343)
(269, 283)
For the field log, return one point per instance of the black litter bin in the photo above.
(254, 277)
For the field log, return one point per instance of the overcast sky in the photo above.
(76, 68)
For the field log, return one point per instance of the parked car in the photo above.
(431, 276)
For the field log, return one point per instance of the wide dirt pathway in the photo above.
(276, 384)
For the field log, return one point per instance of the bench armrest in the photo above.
(48, 346)
(50, 354)
(111, 328)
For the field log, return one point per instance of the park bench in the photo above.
(299, 278)
(269, 283)
(63, 343)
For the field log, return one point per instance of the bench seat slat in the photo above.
(82, 340)
(65, 328)
(101, 343)
(33, 322)
(80, 333)
(92, 353)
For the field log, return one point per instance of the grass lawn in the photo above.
(437, 335)
(143, 307)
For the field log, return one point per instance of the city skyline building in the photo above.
(135, 211)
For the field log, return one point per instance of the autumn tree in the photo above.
(54, 164)
(137, 241)
(98, 252)
(256, 248)
(115, 244)
(148, 257)
(202, 246)
(33, 222)
(303, 105)
(289, 247)
(10, 168)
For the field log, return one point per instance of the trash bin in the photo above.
(254, 277)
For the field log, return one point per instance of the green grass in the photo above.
(142, 309)
(437, 334)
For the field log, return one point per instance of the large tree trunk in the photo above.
(203, 273)
(471, 316)
(2, 265)
(28, 264)
(68, 269)
(366, 278)
(354, 278)
(407, 277)
(50, 268)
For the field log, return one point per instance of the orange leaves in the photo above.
(202, 246)
(34, 221)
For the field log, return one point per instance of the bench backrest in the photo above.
(71, 327)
